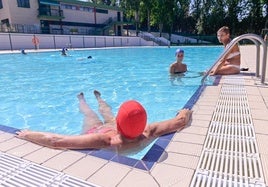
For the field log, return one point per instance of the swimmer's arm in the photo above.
(171, 69)
(57, 141)
(234, 53)
(172, 125)
(215, 70)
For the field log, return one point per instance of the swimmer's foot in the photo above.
(81, 96)
(97, 94)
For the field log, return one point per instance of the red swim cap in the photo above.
(131, 119)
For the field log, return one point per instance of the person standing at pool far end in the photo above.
(35, 41)
(128, 129)
(177, 66)
(230, 63)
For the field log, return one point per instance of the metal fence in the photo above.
(18, 41)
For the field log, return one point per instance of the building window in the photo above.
(5, 22)
(65, 6)
(1, 4)
(101, 11)
(23, 3)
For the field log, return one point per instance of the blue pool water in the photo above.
(39, 89)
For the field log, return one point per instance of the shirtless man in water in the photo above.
(230, 64)
(126, 130)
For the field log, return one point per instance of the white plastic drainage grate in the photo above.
(230, 154)
(16, 172)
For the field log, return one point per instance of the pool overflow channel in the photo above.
(230, 154)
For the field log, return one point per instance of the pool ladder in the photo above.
(257, 40)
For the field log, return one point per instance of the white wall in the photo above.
(20, 15)
(4, 12)
(16, 41)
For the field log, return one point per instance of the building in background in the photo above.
(60, 17)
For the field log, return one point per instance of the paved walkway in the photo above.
(177, 165)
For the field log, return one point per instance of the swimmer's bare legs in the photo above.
(90, 117)
(104, 109)
(225, 70)
(228, 70)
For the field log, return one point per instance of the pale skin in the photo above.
(225, 66)
(178, 66)
(111, 138)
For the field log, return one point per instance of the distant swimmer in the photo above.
(64, 51)
(23, 52)
(84, 58)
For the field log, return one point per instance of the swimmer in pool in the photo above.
(84, 58)
(177, 66)
(230, 64)
(64, 51)
(128, 129)
(23, 52)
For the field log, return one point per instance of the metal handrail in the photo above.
(257, 40)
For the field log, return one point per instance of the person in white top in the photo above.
(230, 63)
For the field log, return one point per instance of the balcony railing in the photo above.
(50, 13)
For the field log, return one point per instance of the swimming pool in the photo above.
(40, 88)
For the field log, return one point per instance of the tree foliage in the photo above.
(195, 16)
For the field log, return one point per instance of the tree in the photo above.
(147, 6)
(132, 9)
(198, 16)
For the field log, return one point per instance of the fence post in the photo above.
(54, 40)
(83, 41)
(105, 42)
(10, 41)
(70, 42)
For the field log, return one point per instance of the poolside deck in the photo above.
(176, 167)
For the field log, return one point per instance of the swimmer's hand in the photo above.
(212, 73)
(22, 134)
(186, 115)
(116, 140)
(206, 72)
